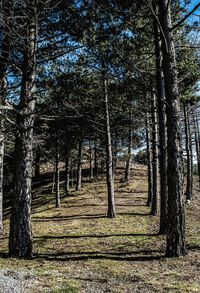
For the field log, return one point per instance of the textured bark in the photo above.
(95, 161)
(162, 129)
(91, 167)
(67, 174)
(109, 157)
(154, 204)
(1, 174)
(5, 51)
(57, 174)
(72, 176)
(188, 147)
(149, 159)
(37, 164)
(79, 168)
(196, 143)
(129, 160)
(176, 213)
(20, 240)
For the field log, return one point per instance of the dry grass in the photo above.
(77, 249)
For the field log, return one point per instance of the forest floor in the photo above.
(77, 249)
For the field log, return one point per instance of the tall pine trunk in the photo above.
(188, 191)
(149, 161)
(176, 212)
(91, 167)
(109, 157)
(162, 129)
(196, 143)
(37, 164)
(20, 240)
(130, 141)
(154, 204)
(5, 52)
(95, 161)
(67, 174)
(57, 172)
(1, 174)
(79, 167)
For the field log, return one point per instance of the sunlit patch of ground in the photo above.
(77, 249)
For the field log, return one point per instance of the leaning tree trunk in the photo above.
(176, 212)
(79, 169)
(162, 129)
(149, 161)
(154, 204)
(109, 157)
(188, 191)
(20, 240)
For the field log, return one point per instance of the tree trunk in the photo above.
(95, 161)
(67, 174)
(196, 143)
(176, 213)
(37, 164)
(91, 168)
(57, 173)
(188, 192)
(129, 160)
(109, 157)
(79, 169)
(1, 174)
(20, 240)
(154, 205)
(5, 49)
(149, 159)
(162, 129)
(72, 176)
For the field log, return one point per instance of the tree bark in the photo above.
(196, 143)
(1, 174)
(57, 173)
(67, 174)
(154, 204)
(95, 161)
(91, 167)
(129, 160)
(176, 213)
(162, 128)
(20, 240)
(79, 168)
(109, 157)
(188, 191)
(3, 88)
(149, 159)
(37, 164)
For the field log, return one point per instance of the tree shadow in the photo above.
(142, 255)
(83, 217)
(46, 237)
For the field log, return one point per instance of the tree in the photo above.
(176, 212)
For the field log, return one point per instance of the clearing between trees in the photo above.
(78, 249)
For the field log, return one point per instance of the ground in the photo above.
(77, 249)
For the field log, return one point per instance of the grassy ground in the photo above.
(77, 249)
